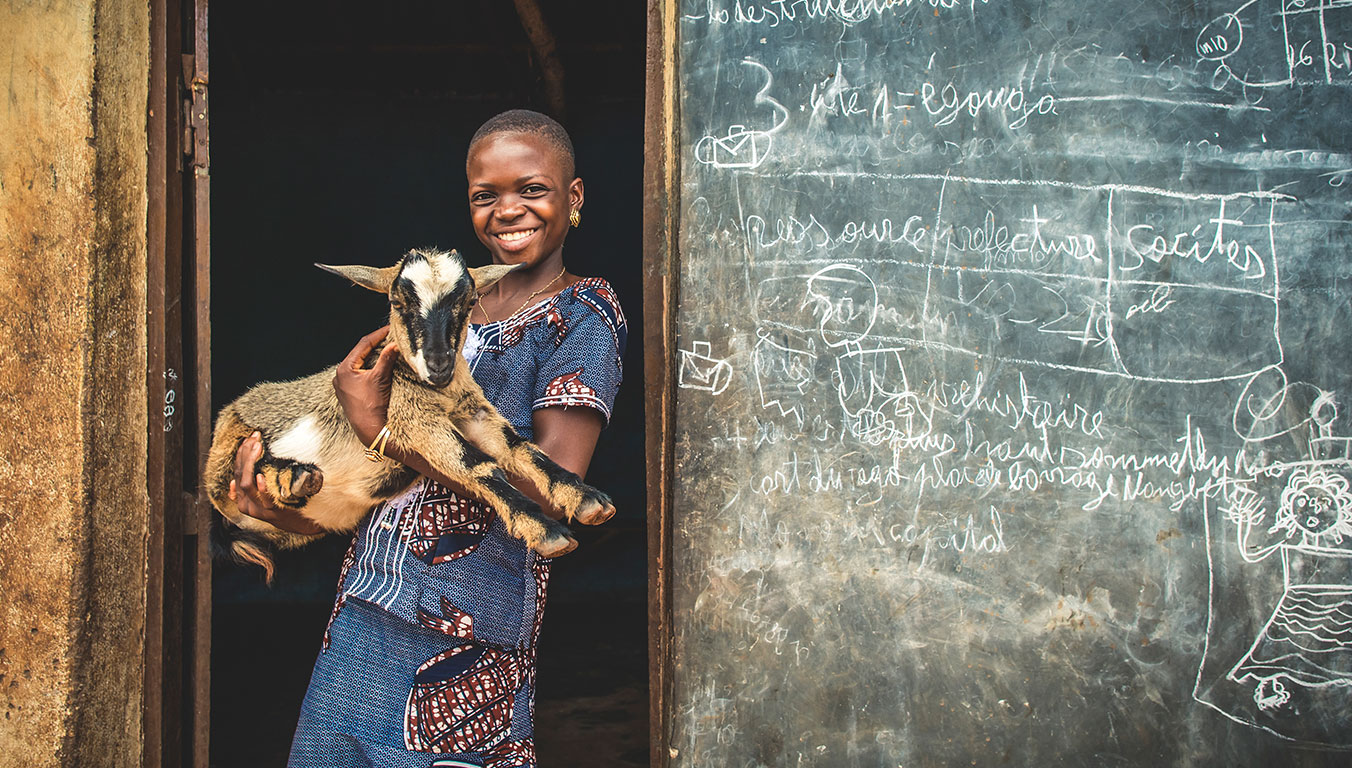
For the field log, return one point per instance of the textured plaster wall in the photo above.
(73, 503)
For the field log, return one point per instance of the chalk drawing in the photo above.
(698, 370)
(740, 146)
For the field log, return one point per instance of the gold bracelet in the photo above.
(376, 451)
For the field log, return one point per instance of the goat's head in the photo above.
(431, 294)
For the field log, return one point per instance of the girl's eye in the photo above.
(481, 197)
(535, 189)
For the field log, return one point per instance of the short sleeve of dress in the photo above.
(584, 368)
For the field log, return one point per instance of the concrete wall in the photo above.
(73, 502)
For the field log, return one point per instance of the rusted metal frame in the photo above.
(197, 556)
(661, 261)
(163, 709)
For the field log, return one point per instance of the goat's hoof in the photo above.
(596, 508)
(307, 483)
(555, 546)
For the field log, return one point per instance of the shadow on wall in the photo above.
(338, 135)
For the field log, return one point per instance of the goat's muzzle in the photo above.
(440, 370)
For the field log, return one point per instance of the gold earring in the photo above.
(575, 218)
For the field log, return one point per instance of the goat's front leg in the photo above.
(461, 462)
(487, 429)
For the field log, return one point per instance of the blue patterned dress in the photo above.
(429, 658)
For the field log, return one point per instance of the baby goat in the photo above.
(312, 461)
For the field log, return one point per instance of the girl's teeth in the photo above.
(514, 236)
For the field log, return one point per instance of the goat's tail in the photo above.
(242, 546)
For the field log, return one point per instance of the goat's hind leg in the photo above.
(289, 483)
(248, 539)
(463, 463)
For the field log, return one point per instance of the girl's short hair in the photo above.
(528, 121)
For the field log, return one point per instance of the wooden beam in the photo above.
(546, 55)
(660, 272)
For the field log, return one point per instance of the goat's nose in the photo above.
(440, 365)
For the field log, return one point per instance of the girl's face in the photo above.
(520, 195)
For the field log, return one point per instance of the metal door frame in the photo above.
(177, 653)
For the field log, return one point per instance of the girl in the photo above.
(429, 658)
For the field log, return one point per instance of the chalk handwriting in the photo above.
(772, 13)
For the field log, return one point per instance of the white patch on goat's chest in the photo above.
(302, 442)
(348, 475)
(432, 281)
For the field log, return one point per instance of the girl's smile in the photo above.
(515, 237)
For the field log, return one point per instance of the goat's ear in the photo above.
(377, 280)
(486, 277)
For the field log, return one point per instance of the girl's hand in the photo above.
(246, 490)
(364, 393)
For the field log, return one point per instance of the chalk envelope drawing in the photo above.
(697, 370)
(740, 148)
(743, 147)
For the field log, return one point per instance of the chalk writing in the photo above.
(1279, 43)
(1011, 341)
(772, 13)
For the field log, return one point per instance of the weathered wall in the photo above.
(73, 503)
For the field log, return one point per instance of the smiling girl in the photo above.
(429, 658)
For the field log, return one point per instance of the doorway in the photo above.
(338, 135)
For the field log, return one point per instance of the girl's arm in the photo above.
(568, 436)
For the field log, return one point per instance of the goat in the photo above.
(313, 462)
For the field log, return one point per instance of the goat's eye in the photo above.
(397, 306)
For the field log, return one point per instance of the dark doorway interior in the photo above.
(338, 135)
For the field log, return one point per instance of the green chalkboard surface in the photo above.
(1013, 380)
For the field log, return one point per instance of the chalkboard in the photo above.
(1013, 365)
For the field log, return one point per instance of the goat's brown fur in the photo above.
(313, 462)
